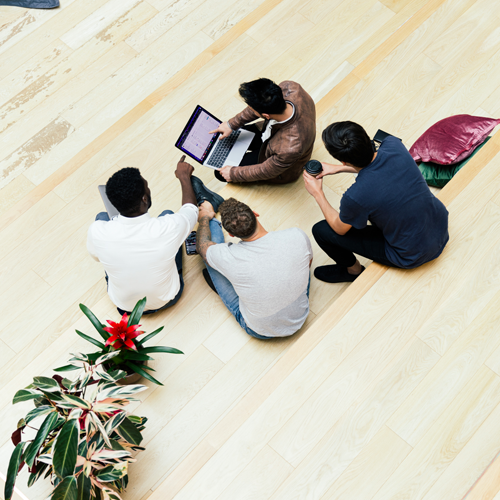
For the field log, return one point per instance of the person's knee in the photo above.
(102, 216)
(318, 230)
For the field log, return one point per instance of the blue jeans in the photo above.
(178, 262)
(223, 285)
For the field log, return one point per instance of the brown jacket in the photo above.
(284, 155)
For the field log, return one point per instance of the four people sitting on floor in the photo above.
(388, 215)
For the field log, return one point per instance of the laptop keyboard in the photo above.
(222, 150)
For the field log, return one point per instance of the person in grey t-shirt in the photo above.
(264, 279)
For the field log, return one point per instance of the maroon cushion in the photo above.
(452, 139)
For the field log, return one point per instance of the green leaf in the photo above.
(34, 477)
(79, 356)
(38, 412)
(116, 445)
(76, 401)
(25, 395)
(128, 431)
(90, 339)
(114, 421)
(157, 348)
(46, 384)
(67, 368)
(15, 461)
(93, 319)
(136, 314)
(84, 485)
(137, 420)
(65, 449)
(111, 473)
(144, 373)
(150, 336)
(67, 489)
(41, 435)
(136, 356)
(117, 374)
(106, 357)
(120, 391)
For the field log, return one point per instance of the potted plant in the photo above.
(122, 337)
(85, 438)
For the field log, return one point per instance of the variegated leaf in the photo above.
(46, 459)
(106, 357)
(101, 428)
(79, 402)
(115, 421)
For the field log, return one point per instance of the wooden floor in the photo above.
(392, 389)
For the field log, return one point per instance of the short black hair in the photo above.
(125, 190)
(237, 218)
(348, 142)
(264, 96)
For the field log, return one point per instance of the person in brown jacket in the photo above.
(284, 143)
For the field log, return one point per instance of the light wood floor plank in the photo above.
(408, 351)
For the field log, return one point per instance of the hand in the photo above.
(313, 185)
(329, 169)
(224, 129)
(206, 210)
(226, 172)
(183, 169)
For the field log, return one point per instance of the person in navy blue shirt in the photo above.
(388, 215)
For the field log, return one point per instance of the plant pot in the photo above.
(133, 378)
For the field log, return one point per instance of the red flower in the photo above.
(122, 335)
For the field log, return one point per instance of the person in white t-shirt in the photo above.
(142, 255)
(264, 279)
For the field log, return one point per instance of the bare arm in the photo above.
(329, 169)
(314, 187)
(183, 173)
(203, 235)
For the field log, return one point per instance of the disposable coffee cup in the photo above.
(313, 167)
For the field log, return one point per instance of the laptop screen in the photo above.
(195, 139)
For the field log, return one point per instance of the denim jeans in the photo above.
(178, 262)
(223, 285)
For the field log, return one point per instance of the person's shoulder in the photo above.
(393, 143)
(291, 232)
(288, 84)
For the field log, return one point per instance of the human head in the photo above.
(263, 96)
(126, 190)
(348, 142)
(237, 218)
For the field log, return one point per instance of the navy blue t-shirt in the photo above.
(392, 194)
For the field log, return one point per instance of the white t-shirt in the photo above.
(270, 276)
(138, 255)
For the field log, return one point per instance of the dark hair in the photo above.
(125, 190)
(348, 142)
(237, 218)
(264, 96)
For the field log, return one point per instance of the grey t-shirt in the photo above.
(270, 276)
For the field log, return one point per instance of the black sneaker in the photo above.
(209, 281)
(202, 194)
(335, 274)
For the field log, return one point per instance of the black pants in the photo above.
(251, 157)
(368, 242)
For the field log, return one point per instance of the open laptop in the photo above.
(197, 142)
